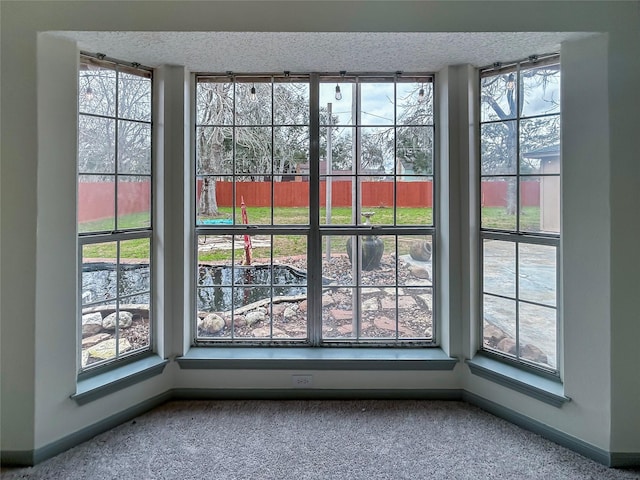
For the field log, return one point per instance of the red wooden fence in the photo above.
(96, 199)
(296, 194)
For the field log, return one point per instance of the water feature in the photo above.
(222, 286)
(219, 286)
(100, 282)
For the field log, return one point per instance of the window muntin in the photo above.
(253, 156)
(520, 211)
(114, 211)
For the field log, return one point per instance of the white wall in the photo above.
(38, 315)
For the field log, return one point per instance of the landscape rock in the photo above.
(340, 315)
(420, 250)
(419, 272)
(289, 313)
(107, 349)
(507, 345)
(370, 305)
(278, 309)
(211, 324)
(238, 321)
(254, 317)
(265, 331)
(125, 320)
(91, 324)
(533, 353)
(94, 339)
(492, 335)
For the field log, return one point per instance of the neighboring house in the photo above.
(549, 158)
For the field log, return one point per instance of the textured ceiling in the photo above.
(317, 51)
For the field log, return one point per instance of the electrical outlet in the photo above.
(302, 381)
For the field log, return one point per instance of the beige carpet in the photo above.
(299, 440)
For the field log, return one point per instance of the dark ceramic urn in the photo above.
(372, 248)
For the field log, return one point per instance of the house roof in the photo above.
(545, 153)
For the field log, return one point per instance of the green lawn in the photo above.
(291, 245)
(496, 217)
(138, 249)
(339, 215)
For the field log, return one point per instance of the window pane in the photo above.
(134, 97)
(253, 109)
(377, 255)
(415, 313)
(499, 268)
(537, 273)
(134, 266)
(134, 147)
(377, 155)
(415, 267)
(253, 201)
(291, 148)
(538, 334)
(412, 107)
(214, 154)
(214, 103)
(340, 210)
(499, 199)
(342, 151)
(541, 90)
(336, 266)
(213, 306)
(292, 203)
(499, 327)
(337, 314)
(414, 200)
(99, 272)
(291, 103)
(99, 343)
(215, 255)
(134, 321)
(364, 253)
(214, 200)
(378, 322)
(134, 202)
(342, 110)
(377, 195)
(540, 144)
(291, 251)
(253, 151)
(96, 203)
(414, 151)
(377, 103)
(498, 148)
(96, 145)
(530, 204)
(498, 97)
(98, 338)
(97, 88)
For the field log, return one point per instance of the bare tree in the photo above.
(505, 137)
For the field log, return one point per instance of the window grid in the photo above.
(109, 248)
(521, 235)
(308, 229)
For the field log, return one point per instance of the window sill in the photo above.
(536, 386)
(102, 384)
(316, 358)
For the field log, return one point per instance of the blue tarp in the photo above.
(217, 221)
